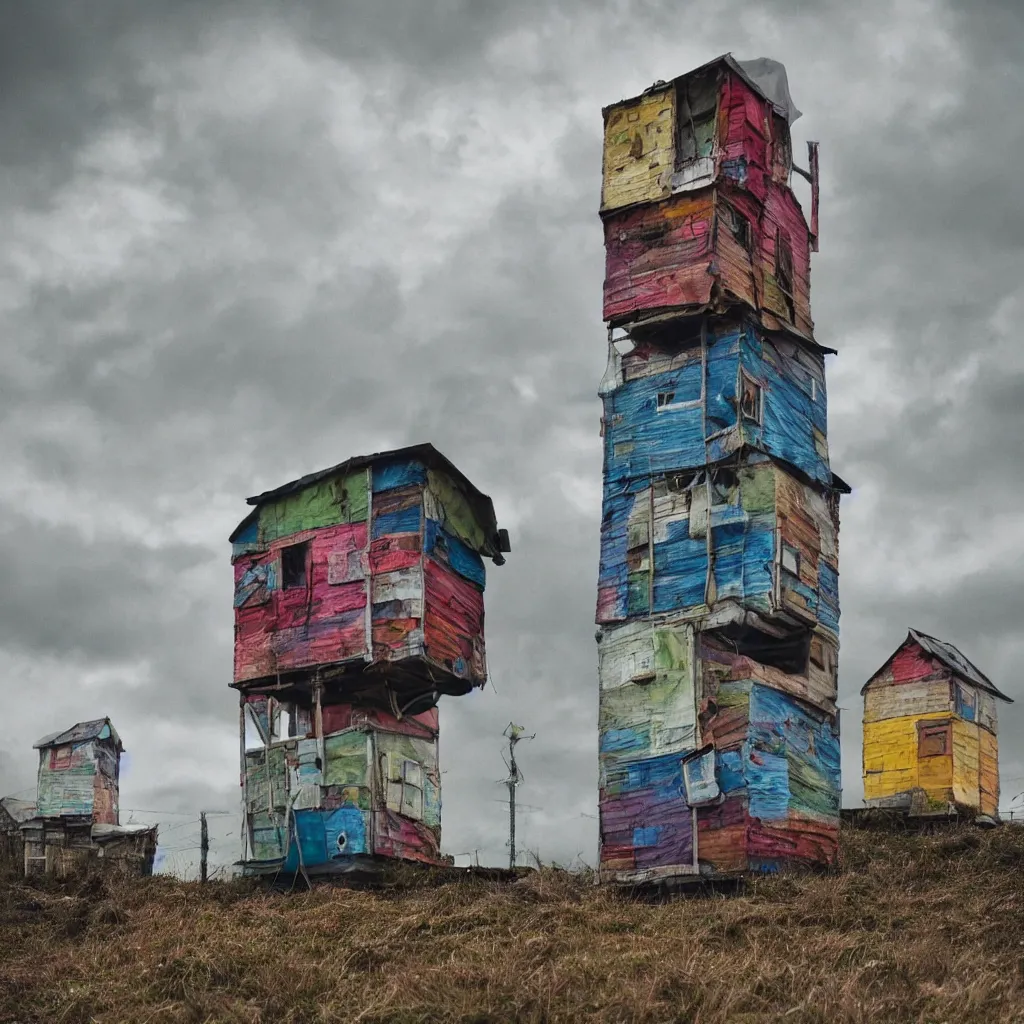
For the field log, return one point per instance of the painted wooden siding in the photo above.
(892, 766)
(639, 149)
(966, 764)
(988, 767)
(647, 721)
(929, 697)
(659, 257)
(777, 765)
(369, 568)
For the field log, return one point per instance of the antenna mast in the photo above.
(514, 733)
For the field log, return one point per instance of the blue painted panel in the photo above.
(458, 555)
(646, 836)
(790, 412)
(768, 786)
(680, 567)
(346, 830)
(828, 596)
(388, 475)
(791, 756)
(407, 520)
(729, 768)
(620, 741)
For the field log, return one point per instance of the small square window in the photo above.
(751, 400)
(293, 566)
(934, 739)
(738, 225)
(665, 398)
(791, 559)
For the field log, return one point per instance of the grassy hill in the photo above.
(916, 928)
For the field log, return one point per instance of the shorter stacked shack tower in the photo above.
(358, 603)
(718, 606)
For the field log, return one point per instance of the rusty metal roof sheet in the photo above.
(953, 659)
(98, 728)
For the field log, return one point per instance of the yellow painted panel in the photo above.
(988, 760)
(966, 780)
(891, 764)
(639, 150)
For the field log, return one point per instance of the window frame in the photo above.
(285, 554)
(931, 729)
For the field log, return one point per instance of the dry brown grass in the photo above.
(923, 929)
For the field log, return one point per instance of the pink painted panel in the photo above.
(656, 256)
(454, 622)
(398, 836)
(321, 622)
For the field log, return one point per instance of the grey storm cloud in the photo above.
(247, 240)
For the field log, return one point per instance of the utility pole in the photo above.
(514, 734)
(204, 845)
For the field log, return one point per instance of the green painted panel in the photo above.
(325, 503)
(757, 488)
(346, 764)
(456, 513)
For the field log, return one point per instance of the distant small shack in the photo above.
(13, 813)
(930, 733)
(75, 819)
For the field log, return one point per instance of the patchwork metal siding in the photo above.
(916, 690)
(639, 149)
(372, 567)
(720, 516)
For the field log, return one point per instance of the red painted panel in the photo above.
(394, 551)
(343, 716)
(912, 664)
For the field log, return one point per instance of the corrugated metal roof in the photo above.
(951, 657)
(19, 810)
(79, 734)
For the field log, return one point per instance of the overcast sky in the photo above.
(243, 241)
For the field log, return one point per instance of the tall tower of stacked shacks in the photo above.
(358, 603)
(718, 605)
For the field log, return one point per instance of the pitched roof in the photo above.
(481, 504)
(951, 658)
(98, 728)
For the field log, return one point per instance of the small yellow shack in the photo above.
(930, 734)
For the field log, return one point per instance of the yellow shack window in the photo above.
(934, 739)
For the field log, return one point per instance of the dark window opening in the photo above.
(784, 269)
(751, 401)
(665, 398)
(293, 566)
(934, 739)
(724, 487)
(788, 654)
(677, 483)
(738, 225)
(696, 107)
(783, 144)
